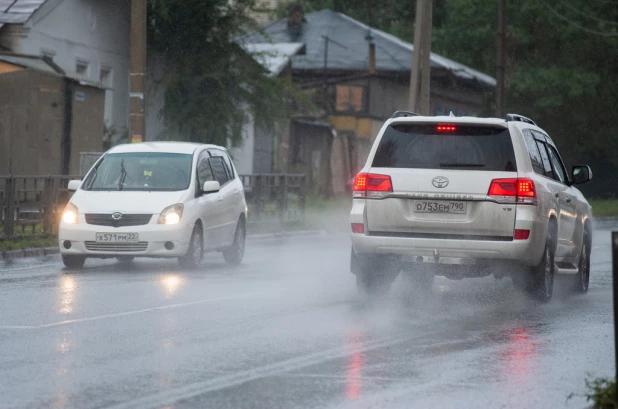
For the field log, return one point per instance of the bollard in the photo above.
(615, 285)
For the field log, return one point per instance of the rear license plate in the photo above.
(117, 238)
(438, 206)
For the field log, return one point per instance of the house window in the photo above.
(81, 68)
(349, 98)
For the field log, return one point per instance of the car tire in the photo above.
(195, 252)
(538, 282)
(542, 277)
(582, 278)
(71, 261)
(234, 254)
(125, 259)
(374, 274)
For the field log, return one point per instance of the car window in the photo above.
(545, 158)
(226, 161)
(446, 147)
(533, 150)
(204, 171)
(219, 171)
(557, 164)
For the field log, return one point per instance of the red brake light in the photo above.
(525, 187)
(358, 228)
(370, 182)
(446, 128)
(522, 190)
(521, 234)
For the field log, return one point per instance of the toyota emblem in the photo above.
(117, 216)
(440, 182)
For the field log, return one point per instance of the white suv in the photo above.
(156, 199)
(468, 197)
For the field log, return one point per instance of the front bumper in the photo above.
(82, 237)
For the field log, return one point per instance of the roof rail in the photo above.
(399, 114)
(520, 118)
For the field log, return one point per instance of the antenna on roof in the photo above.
(451, 114)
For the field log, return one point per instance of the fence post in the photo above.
(257, 196)
(303, 196)
(48, 204)
(283, 197)
(10, 207)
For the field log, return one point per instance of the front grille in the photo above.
(105, 219)
(116, 247)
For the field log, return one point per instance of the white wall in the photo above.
(91, 31)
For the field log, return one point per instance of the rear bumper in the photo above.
(411, 245)
(526, 252)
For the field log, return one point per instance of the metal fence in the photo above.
(275, 198)
(31, 206)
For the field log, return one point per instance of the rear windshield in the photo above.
(464, 148)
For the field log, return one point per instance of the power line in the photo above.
(574, 24)
(590, 15)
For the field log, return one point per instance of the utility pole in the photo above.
(421, 66)
(501, 60)
(138, 70)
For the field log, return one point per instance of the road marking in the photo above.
(123, 314)
(199, 388)
(600, 247)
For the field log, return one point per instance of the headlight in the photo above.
(70, 214)
(171, 214)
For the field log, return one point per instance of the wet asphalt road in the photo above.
(286, 330)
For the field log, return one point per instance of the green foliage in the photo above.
(602, 392)
(561, 75)
(26, 243)
(211, 84)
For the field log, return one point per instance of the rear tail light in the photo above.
(513, 191)
(372, 186)
(358, 228)
(521, 234)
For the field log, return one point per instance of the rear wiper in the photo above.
(123, 175)
(462, 165)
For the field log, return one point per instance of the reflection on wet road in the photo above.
(286, 330)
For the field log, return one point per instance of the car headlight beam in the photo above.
(171, 214)
(70, 214)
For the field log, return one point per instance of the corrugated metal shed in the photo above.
(349, 48)
(17, 11)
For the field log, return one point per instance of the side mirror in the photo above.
(581, 174)
(74, 185)
(212, 186)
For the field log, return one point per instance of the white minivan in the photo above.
(156, 199)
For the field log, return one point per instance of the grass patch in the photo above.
(604, 207)
(25, 243)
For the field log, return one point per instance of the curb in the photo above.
(30, 252)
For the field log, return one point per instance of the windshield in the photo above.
(141, 171)
(427, 147)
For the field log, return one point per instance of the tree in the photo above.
(212, 86)
(561, 64)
